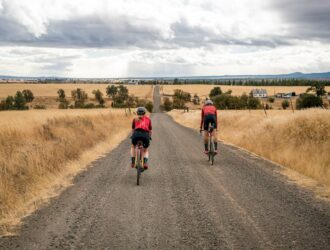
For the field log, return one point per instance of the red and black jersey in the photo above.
(208, 110)
(143, 123)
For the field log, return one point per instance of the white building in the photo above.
(259, 93)
(133, 82)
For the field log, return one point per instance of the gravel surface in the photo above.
(241, 202)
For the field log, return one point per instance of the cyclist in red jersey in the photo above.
(209, 116)
(141, 131)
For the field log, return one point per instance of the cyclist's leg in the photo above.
(146, 143)
(206, 136)
(134, 142)
(215, 134)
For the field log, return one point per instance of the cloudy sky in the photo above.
(107, 38)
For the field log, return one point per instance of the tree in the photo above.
(112, 91)
(64, 104)
(215, 91)
(19, 101)
(253, 103)
(99, 96)
(308, 101)
(180, 94)
(61, 93)
(123, 92)
(285, 104)
(130, 102)
(318, 88)
(7, 104)
(79, 96)
(28, 95)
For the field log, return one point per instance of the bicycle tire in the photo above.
(211, 154)
(138, 168)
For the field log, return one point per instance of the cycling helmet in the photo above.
(140, 111)
(208, 102)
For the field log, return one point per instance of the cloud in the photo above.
(305, 19)
(199, 24)
(107, 38)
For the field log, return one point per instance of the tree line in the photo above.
(119, 96)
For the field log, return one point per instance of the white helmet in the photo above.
(208, 102)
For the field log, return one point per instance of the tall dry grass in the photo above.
(37, 152)
(300, 141)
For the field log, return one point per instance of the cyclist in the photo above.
(141, 131)
(209, 116)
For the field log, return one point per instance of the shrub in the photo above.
(39, 106)
(61, 93)
(227, 101)
(28, 95)
(271, 99)
(309, 101)
(64, 104)
(19, 101)
(180, 94)
(318, 88)
(7, 104)
(196, 99)
(79, 96)
(215, 91)
(168, 105)
(149, 106)
(178, 103)
(99, 96)
(285, 104)
(253, 103)
(89, 106)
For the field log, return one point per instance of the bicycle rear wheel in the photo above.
(138, 168)
(211, 152)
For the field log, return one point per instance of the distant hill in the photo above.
(295, 75)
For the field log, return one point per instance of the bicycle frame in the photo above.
(211, 143)
(139, 158)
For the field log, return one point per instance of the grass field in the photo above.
(204, 90)
(41, 150)
(300, 141)
(50, 89)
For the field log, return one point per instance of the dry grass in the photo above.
(41, 150)
(204, 90)
(50, 90)
(300, 141)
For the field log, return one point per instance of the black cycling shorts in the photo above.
(143, 136)
(210, 119)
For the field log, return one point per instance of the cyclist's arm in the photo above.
(216, 116)
(150, 129)
(133, 126)
(202, 119)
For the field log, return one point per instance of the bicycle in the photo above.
(139, 160)
(211, 153)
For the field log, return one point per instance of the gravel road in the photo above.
(242, 202)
